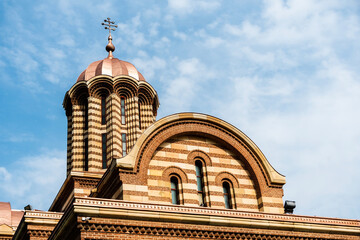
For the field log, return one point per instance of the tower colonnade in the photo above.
(106, 115)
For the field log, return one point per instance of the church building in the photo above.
(185, 176)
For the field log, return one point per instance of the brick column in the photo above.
(69, 144)
(77, 143)
(94, 134)
(113, 127)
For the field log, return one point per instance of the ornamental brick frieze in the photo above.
(188, 232)
(86, 183)
(39, 234)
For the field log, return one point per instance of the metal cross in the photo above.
(109, 25)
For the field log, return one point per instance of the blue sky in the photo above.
(286, 73)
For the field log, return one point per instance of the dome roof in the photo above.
(111, 67)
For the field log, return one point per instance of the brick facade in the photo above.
(186, 176)
(172, 147)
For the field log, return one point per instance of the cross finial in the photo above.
(109, 25)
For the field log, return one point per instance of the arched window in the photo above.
(86, 115)
(139, 109)
(175, 196)
(86, 154)
(104, 150)
(200, 183)
(227, 194)
(103, 110)
(122, 106)
(123, 142)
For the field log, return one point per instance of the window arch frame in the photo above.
(199, 155)
(229, 194)
(123, 110)
(123, 144)
(234, 185)
(182, 177)
(201, 186)
(103, 109)
(175, 190)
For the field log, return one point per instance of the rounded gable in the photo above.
(177, 141)
(196, 123)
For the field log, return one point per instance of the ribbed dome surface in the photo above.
(111, 67)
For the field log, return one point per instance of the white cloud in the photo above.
(134, 36)
(22, 137)
(4, 174)
(311, 22)
(288, 81)
(183, 83)
(153, 30)
(153, 66)
(247, 30)
(183, 7)
(309, 138)
(213, 42)
(67, 40)
(190, 67)
(34, 179)
(267, 58)
(180, 35)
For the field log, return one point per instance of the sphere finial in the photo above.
(110, 46)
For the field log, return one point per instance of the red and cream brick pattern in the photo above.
(77, 134)
(77, 143)
(95, 129)
(132, 121)
(69, 144)
(114, 126)
(219, 164)
(146, 115)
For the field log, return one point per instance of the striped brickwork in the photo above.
(232, 167)
(132, 121)
(69, 144)
(114, 127)
(109, 130)
(94, 134)
(136, 193)
(77, 143)
(146, 115)
(176, 156)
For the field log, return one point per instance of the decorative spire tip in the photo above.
(110, 46)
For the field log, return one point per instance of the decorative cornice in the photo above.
(255, 219)
(37, 218)
(43, 215)
(43, 218)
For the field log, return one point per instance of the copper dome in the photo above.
(111, 67)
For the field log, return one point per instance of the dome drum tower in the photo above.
(107, 109)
